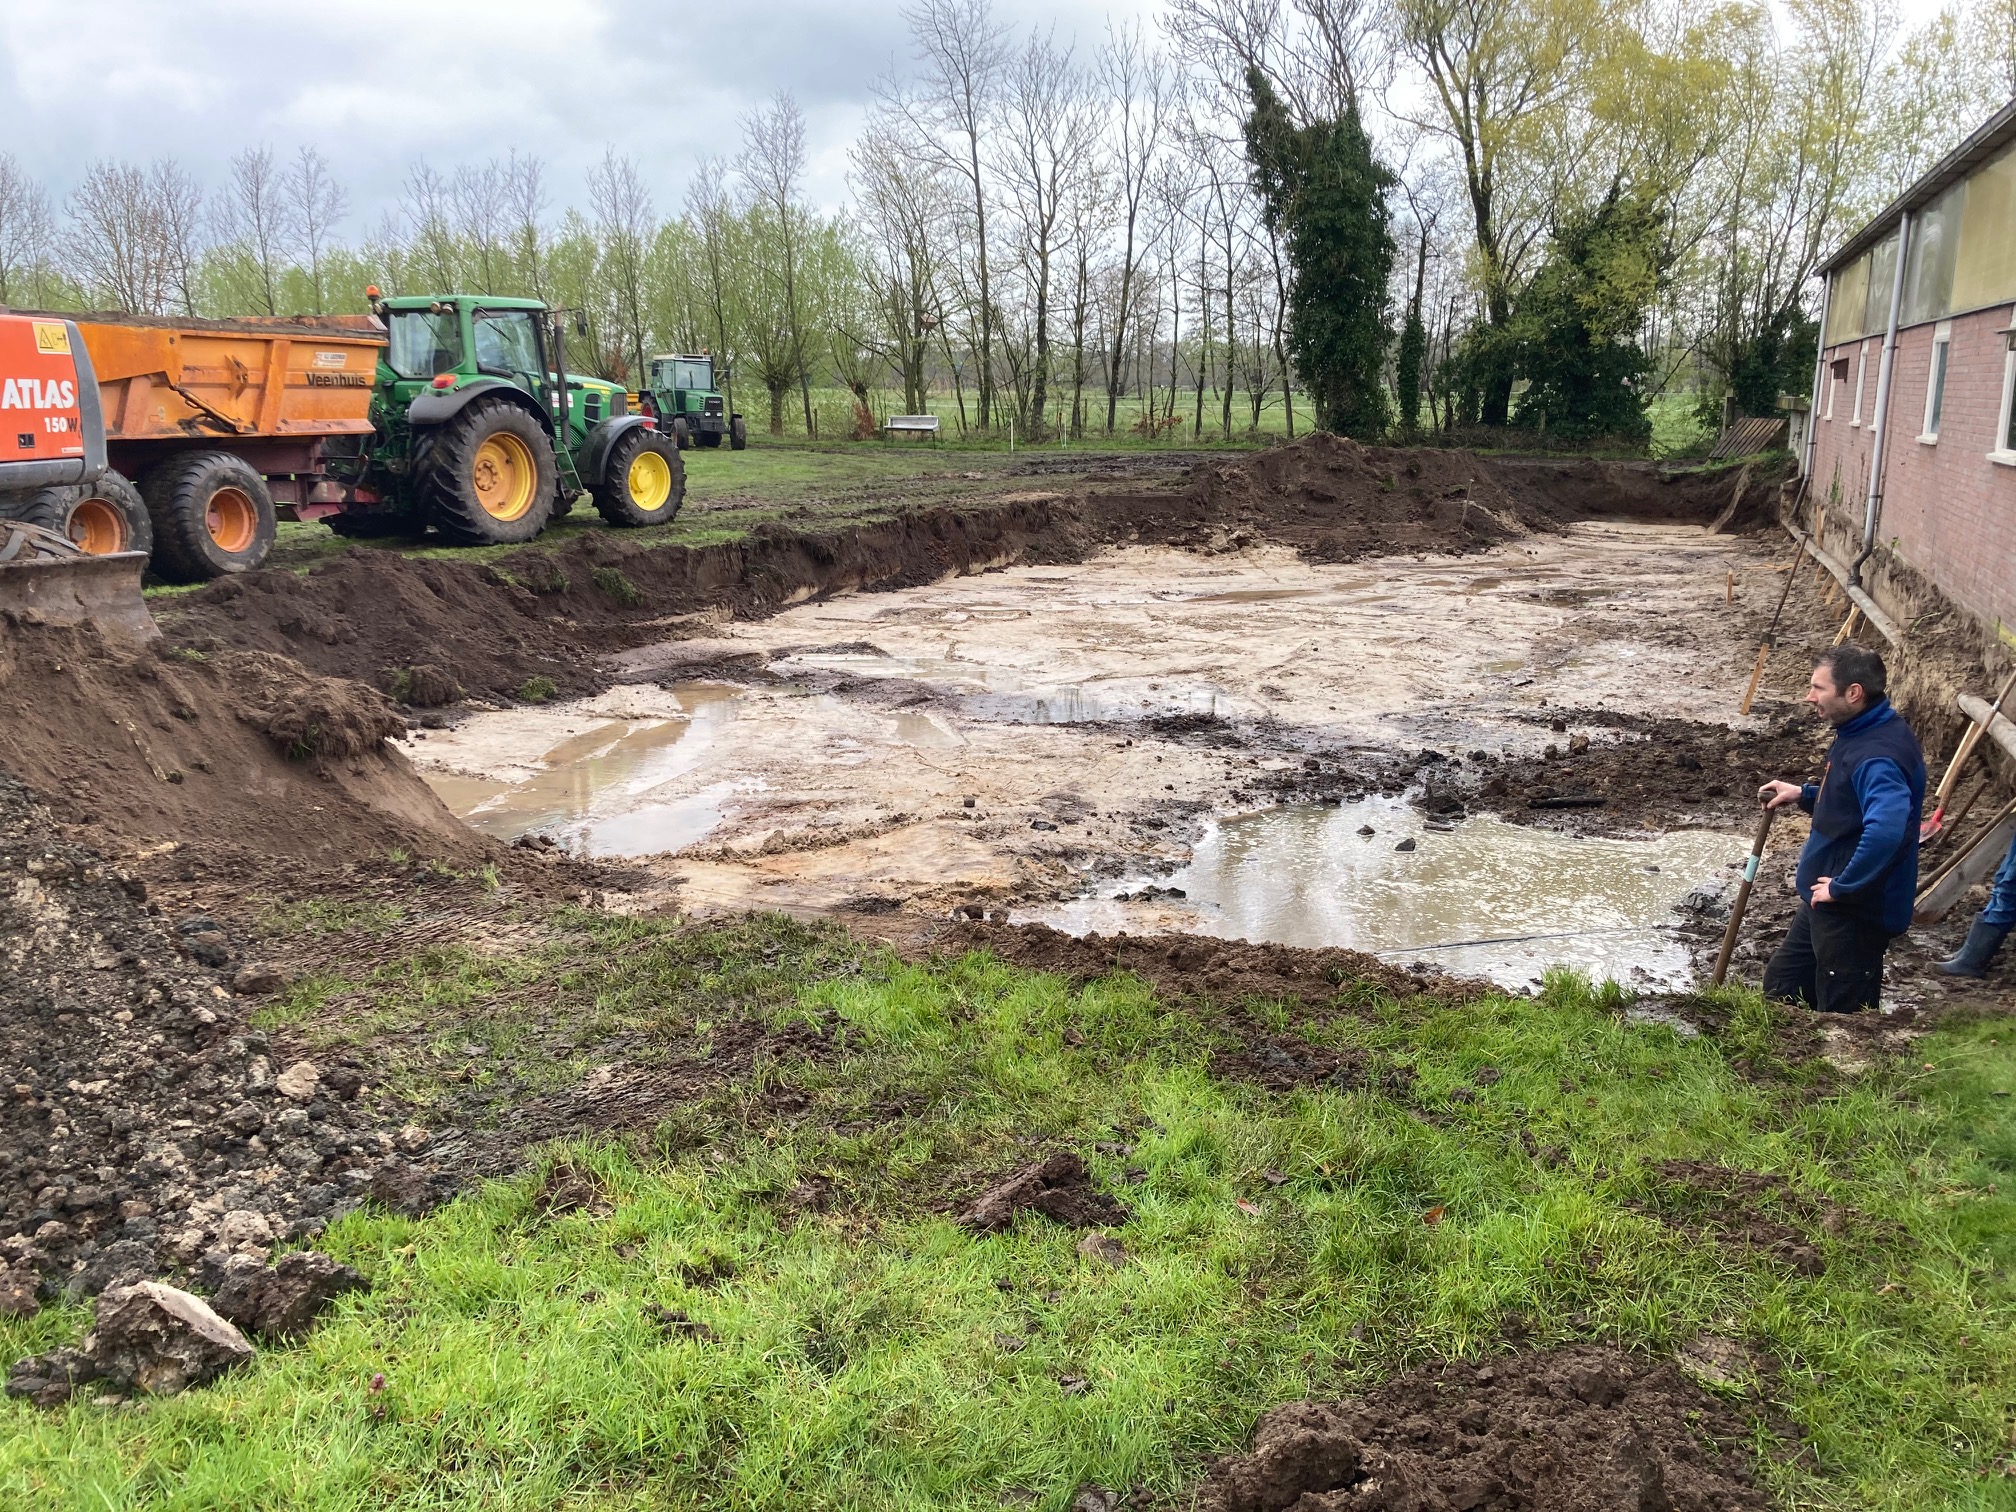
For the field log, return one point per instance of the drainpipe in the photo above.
(1813, 408)
(1882, 417)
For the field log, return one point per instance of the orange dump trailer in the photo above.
(215, 428)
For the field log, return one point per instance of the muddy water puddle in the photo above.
(1484, 898)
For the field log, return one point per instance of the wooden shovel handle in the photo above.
(1743, 896)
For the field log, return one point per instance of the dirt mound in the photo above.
(1580, 1429)
(1649, 773)
(1746, 1210)
(1057, 1186)
(149, 1127)
(241, 749)
(1183, 966)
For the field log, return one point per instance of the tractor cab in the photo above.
(679, 392)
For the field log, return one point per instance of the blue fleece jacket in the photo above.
(1865, 819)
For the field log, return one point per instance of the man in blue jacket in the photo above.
(1858, 873)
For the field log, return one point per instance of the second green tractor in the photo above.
(480, 431)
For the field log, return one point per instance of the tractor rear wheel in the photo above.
(486, 476)
(212, 516)
(738, 434)
(102, 517)
(645, 482)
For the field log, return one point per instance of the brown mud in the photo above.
(1579, 1429)
(488, 629)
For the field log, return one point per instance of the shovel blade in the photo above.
(103, 591)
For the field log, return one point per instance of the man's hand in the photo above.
(1777, 795)
(1823, 890)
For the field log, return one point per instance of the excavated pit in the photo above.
(1068, 743)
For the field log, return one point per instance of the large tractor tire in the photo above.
(738, 434)
(212, 514)
(682, 435)
(102, 518)
(645, 483)
(487, 475)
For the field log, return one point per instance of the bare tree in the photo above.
(1318, 54)
(315, 203)
(625, 220)
(963, 50)
(901, 203)
(772, 166)
(710, 213)
(523, 189)
(178, 207)
(482, 220)
(25, 230)
(1137, 91)
(116, 242)
(431, 245)
(255, 214)
(1048, 128)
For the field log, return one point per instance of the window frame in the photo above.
(1935, 382)
(2001, 453)
(1835, 382)
(1861, 381)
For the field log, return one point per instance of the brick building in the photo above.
(1944, 500)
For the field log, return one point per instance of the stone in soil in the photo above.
(148, 1337)
(1057, 1186)
(283, 1300)
(1580, 1429)
(143, 1130)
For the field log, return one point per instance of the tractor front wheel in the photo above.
(212, 514)
(487, 476)
(645, 482)
(682, 435)
(101, 518)
(738, 434)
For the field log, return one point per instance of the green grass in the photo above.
(863, 1356)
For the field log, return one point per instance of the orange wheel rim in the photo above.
(232, 519)
(98, 528)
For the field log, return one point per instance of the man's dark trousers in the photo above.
(1832, 960)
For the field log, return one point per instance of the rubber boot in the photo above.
(1972, 959)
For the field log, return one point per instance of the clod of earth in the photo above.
(149, 1336)
(1580, 1429)
(1057, 1186)
(283, 1300)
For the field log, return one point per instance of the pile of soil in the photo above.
(430, 630)
(1750, 1210)
(1580, 1429)
(146, 1127)
(1187, 966)
(1648, 772)
(1058, 1186)
(243, 750)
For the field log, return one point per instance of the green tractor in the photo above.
(680, 394)
(481, 432)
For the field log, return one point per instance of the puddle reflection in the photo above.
(1303, 875)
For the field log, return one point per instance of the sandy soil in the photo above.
(1008, 736)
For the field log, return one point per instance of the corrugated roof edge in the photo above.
(1997, 132)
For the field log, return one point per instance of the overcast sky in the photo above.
(376, 84)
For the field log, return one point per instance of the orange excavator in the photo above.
(68, 524)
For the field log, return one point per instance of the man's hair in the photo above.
(1854, 664)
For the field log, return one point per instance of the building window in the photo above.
(1837, 374)
(2005, 423)
(1861, 372)
(1935, 381)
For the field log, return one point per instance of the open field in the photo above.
(653, 1133)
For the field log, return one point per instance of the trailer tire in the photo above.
(102, 517)
(738, 434)
(212, 514)
(644, 481)
(487, 476)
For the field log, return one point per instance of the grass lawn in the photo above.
(859, 1351)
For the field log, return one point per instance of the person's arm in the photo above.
(1810, 795)
(1886, 814)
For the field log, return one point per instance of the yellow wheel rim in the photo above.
(232, 520)
(98, 528)
(504, 476)
(650, 481)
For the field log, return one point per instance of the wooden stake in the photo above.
(1770, 633)
(1936, 820)
(1848, 625)
(1729, 588)
(1743, 895)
